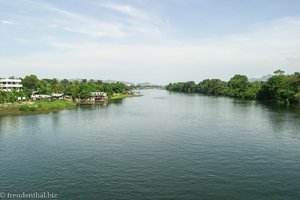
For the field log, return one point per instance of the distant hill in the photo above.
(145, 84)
(264, 78)
(75, 80)
(114, 81)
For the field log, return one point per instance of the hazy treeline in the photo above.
(279, 88)
(75, 89)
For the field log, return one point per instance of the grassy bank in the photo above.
(34, 107)
(46, 105)
(121, 96)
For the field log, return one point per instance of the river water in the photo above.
(162, 145)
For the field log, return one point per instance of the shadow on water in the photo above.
(117, 101)
(279, 115)
(272, 107)
(106, 105)
(283, 119)
(17, 113)
(280, 110)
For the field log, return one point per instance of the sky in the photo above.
(158, 41)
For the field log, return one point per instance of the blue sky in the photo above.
(159, 41)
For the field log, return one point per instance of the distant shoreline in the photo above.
(279, 88)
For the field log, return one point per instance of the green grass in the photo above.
(121, 96)
(28, 108)
(47, 105)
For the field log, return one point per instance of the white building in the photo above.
(8, 85)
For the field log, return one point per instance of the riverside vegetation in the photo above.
(74, 89)
(280, 88)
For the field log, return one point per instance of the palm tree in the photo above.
(57, 87)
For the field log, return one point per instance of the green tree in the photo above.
(278, 72)
(297, 97)
(31, 82)
(238, 85)
(44, 87)
(252, 90)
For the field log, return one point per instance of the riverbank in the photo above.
(47, 105)
(279, 88)
(36, 107)
(31, 107)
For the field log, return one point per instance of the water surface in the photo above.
(160, 146)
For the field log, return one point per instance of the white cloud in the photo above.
(78, 23)
(266, 47)
(138, 21)
(7, 22)
(127, 9)
(52, 25)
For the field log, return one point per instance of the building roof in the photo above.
(11, 80)
(57, 95)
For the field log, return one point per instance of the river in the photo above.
(162, 145)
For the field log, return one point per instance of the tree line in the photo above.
(280, 88)
(75, 89)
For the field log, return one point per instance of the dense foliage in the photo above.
(279, 88)
(75, 89)
(10, 97)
